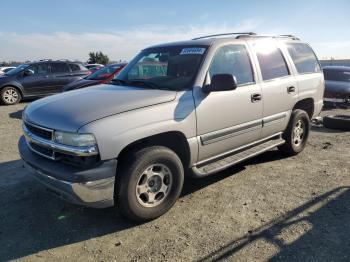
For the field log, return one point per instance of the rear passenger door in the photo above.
(308, 73)
(61, 75)
(279, 86)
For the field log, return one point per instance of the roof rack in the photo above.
(54, 60)
(248, 34)
(290, 36)
(207, 36)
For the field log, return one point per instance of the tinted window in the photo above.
(74, 67)
(234, 60)
(336, 75)
(271, 60)
(39, 69)
(59, 68)
(304, 58)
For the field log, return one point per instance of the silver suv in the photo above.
(200, 106)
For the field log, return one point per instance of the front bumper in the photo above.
(92, 187)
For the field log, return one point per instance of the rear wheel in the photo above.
(10, 95)
(296, 134)
(150, 182)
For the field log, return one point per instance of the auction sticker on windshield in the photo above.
(192, 51)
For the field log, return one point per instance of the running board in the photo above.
(237, 156)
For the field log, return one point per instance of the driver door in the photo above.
(37, 80)
(229, 119)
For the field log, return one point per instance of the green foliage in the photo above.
(98, 58)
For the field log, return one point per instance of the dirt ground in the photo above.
(269, 208)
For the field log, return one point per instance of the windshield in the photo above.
(103, 73)
(16, 70)
(172, 67)
(336, 75)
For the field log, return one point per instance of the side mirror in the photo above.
(221, 82)
(28, 72)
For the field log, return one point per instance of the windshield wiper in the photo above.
(144, 83)
(138, 83)
(147, 84)
(116, 81)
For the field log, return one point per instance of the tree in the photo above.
(98, 58)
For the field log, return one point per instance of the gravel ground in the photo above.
(269, 208)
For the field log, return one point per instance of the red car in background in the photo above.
(101, 76)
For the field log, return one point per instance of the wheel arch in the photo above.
(306, 104)
(174, 140)
(20, 89)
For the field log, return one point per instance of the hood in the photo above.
(71, 110)
(80, 84)
(5, 78)
(338, 87)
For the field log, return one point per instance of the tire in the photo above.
(338, 122)
(142, 171)
(10, 95)
(296, 134)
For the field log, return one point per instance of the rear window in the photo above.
(74, 67)
(271, 60)
(304, 58)
(336, 75)
(59, 68)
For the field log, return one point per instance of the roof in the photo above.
(222, 38)
(52, 61)
(337, 68)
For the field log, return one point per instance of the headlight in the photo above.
(74, 139)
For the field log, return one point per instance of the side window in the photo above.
(304, 58)
(43, 69)
(33, 69)
(271, 60)
(74, 67)
(59, 68)
(233, 59)
(39, 69)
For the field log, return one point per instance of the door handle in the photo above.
(290, 89)
(255, 97)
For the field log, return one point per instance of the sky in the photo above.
(70, 29)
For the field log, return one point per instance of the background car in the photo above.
(37, 79)
(104, 75)
(94, 67)
(5, 69)
(337, 88)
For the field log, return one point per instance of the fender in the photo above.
(15, 84)
(116, 132)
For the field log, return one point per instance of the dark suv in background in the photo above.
(337, 91)
(37, 79)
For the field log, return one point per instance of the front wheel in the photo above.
(10, 95)
(296, 134)
(150, 182)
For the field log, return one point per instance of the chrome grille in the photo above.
(40, 131)
(42, 151)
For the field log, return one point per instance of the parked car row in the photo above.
(101, 76)
(38, 79)
(42, 78)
